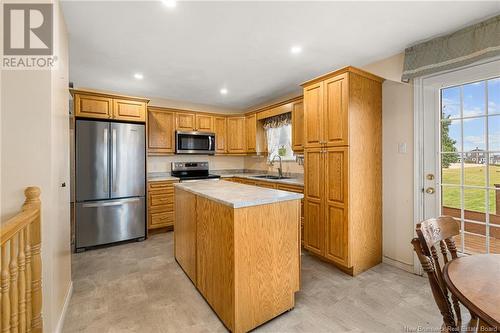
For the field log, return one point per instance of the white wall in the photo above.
(397, 167)
(34, 146)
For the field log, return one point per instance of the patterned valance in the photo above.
(278, 121)
(463, 47)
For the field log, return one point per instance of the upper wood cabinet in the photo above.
(236, 136)
(342, 193)
(220, 129)
(326, 106)
(313, 115)
(91, 106)
(97, 105)
(185, 121)
(204, 123)
(298, 126)
(251, 132)
(125, 109)
(161, 129)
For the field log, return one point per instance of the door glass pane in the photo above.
(495, 236)
(494, 133)
(470, 163)
(450, 101)
(474, 138)
(474, 99)
(494, 96)
(451, 168)
(451, 135)
(475, 204)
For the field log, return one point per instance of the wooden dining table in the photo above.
(475, 281)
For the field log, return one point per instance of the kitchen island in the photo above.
(240, 246)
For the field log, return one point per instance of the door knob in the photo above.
(430, 176)
(430, 190)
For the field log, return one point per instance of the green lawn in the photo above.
(474, 199)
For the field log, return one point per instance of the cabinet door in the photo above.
(236, 135)
(161, 128)
(336, 203)
(220, 135)
(313, 115)
(336, 110)
(90, 106)
(251, 133)
(204, 123)
(186, 121)
(124, 109)
(313, 201)
(298, 126)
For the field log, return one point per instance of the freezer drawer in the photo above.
(103, 222)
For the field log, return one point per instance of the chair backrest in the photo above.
(432, 233)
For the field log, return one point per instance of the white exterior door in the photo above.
(457, 137)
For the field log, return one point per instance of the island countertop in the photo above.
(237, 195)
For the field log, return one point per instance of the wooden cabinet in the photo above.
(185, 121)
(251, 132)
(160, 204)
(220, 124)
(90, 106)
(313, 115)
(298, 126)
(161, 129)
(342, 169)
(204, 123)
(129, 110)
(236, 136)
(296, 189)
(326, 112)
(97, 105)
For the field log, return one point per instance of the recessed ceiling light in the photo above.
(296, 49)
(138, 76)
(169, 3)
(223, 91)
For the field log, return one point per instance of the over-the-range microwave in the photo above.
(194, 142)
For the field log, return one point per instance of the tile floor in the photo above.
(139, 287)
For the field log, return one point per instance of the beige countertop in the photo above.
(237, 195)
(160, 176)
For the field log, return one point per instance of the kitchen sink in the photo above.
(270, 177)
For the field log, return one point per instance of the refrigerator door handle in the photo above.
(110, 203)
(106, 157)
(113, 163)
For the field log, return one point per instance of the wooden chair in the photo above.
(439, 233)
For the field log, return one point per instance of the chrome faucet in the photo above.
(280, 169)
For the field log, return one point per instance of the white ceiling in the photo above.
(190, 52)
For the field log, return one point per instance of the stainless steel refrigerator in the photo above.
(110, 182)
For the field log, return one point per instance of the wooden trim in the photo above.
(105, 94)
(341, 71)
(277, 104)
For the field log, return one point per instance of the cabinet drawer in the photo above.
(154, 186)
(266, 184)
(160, 199)
(161, 209)
(164, 219)
(290, 188)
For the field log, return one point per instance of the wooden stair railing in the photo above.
(21, 268)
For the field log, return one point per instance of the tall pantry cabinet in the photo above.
(343, 168)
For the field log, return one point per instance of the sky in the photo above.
(474, 109)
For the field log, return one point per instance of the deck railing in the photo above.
(21, 268)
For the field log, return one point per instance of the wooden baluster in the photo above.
(5, 290)
(32, 195)
(27, 253)
(14, 241)
(21, 258)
